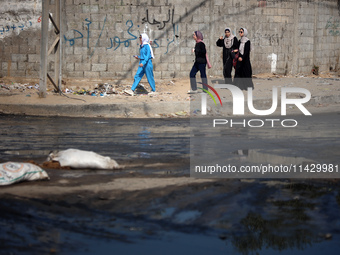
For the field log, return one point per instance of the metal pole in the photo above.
(60, 46)
(57, 52)
(43, 49)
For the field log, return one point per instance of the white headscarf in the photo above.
(229, 41)
(145, 40)
(244, 39)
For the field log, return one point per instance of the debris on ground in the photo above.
(17, 87)
(75, 158)
(141, 90)
(13, 172)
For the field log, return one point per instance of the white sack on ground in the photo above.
(12, 172)
(83, 159)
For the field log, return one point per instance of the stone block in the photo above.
(19, 57)
(277, 19)
(77, 74)
(33, 58)
(107, 75)
(82, 67)
(97, 2)
(27, 49)
(32, 74)
(81, 2)
(91, 75)
(80, 50)
(70, 67)
(123, 75)
(174, 67)
(14, 49)
(168, 74)
(73, 59)
(99, 67)
(68, 50)
(86, 8)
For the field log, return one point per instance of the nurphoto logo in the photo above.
(239, 102)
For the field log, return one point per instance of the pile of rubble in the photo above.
(17, 87)
(104, 89)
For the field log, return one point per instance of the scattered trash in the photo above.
(82, 92)
(128, 92)
(328, 236)
(181, 113)
(75, 158)
(68, 91)
(141, 89)
(13, 172)
(103, 89)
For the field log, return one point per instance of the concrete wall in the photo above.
(100, 36)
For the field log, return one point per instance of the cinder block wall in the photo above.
(101, 36)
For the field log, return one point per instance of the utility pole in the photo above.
(56, 47)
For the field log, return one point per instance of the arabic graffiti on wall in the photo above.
(266, 39)
(13, 27)
(80, 35)
(333, 26)
(116, 42)
(126, 42)
(17, 26)
(160, 24)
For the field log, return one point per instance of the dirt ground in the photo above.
(79, 91)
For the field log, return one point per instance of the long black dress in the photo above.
(243, 71)
(227, 58)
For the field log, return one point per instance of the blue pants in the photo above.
(148, 70)
(198, 67)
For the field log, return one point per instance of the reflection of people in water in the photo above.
(144, 142)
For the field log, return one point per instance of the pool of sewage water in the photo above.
(220, 216)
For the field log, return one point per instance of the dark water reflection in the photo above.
(315, 141)
(247, 216)
(120, 139)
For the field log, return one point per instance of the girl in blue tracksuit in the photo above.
(145, 63)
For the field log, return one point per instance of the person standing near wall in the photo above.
(145, 65)
(230, 45)
(243, 71)
(201, 61)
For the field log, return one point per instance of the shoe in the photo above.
(152, 93)
(129, 92)
(192, 92)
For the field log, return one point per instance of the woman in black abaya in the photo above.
(243, 71)
(229, 44)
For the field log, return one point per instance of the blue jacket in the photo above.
(145, 54)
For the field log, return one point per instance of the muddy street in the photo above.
(152, 206)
